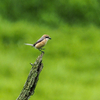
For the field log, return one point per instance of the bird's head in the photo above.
(46, 37)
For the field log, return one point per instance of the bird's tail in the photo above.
(28, 44)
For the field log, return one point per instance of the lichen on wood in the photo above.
(32, 79)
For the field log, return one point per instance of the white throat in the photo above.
(46, 40)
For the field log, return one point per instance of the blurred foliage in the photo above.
(71, 61)
(52, 12)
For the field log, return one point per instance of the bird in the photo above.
(40, 43)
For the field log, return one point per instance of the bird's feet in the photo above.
(41, 50)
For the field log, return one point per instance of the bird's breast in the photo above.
(41, 44)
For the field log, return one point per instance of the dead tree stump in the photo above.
(32, 79)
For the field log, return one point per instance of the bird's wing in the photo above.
(38, 41)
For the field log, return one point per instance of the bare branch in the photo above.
(32, 79)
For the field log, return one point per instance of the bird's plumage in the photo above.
(40, 43)
(41, 39)
(28, 44)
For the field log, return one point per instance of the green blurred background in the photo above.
(72, 58)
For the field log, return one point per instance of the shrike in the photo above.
(40, 43)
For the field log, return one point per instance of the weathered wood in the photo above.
(32, 79)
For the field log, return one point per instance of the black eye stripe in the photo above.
(47, 37)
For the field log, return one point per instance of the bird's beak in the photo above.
(49, 38)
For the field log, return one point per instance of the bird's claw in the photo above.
(41, 50)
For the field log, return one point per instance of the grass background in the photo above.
(71, 61)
